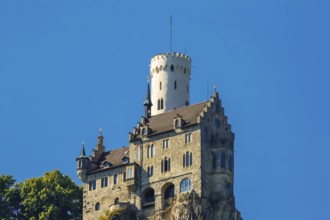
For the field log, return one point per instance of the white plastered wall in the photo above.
(160, 70)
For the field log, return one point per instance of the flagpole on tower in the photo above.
(171, 33)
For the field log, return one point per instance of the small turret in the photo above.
(82, 165)
(147, 103)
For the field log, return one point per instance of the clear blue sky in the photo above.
(68, 68)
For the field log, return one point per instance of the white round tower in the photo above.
(170, 79)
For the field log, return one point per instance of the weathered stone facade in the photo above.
(179, 165)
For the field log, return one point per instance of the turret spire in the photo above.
(82, 154)
(147, 103)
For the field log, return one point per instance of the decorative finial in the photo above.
(215, 88)
(101, 131)
(83, 143)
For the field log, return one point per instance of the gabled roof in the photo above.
(164, 122)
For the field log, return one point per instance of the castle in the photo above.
(179, 163)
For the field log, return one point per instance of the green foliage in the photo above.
(112, 215)
(53, 196)
(9, 197)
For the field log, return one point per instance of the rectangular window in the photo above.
(104, 182)
(188, 138)
(124, 177)
(165, 143)
(115, 179)
(130, 173)
(138, 153)
(92, 185)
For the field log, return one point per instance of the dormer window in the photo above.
(144, 131)
(106, 164)
(125, 160)
(177, 123)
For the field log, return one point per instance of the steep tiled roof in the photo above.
(164, 122)
(113, 157)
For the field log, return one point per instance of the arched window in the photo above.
(185, 70)
(223, 160)
(158, 104)
(148, 151)
(97, 206)
(177, 125)
(149, 171)
(160, 85)
(152, 170)
(185, 185)
(116, 200)
(214, 160)
(157, 70)
(174, 84)
(172, 68)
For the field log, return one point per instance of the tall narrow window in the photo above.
(187, 159)
(130, 173)
(92, 185)
(162, 104)
(148, 151)
(152, 150)
(165, 143)
(190, 159)
(162, 165)
(188, 138)
(104, 182)
(160, 85)
(172, 68)
(174, 84)
(214, 160)
(184, 160)
(223, 160)
(115, 179)
(124, 177)
(166, 165)
(231, 164)
(158, 104)
(150, 171)
(138, 153)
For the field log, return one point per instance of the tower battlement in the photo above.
(161, 62)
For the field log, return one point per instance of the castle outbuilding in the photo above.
(179, 163)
